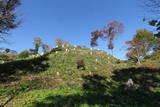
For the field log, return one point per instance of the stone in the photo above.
(91, 53)
(57, 73)
(129, 84)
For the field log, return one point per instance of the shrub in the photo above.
(24, 54)
(4, 57)
(80, 64)
(7, 57)
(118, 61)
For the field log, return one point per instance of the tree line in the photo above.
(143, 42)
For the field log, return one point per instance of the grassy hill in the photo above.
(53, 80)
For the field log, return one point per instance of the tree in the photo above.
(32, 51)
(95, 35)
(140, 45)
(7, 50)
(37, 43)
(24, 54)
(8, 18)
(13, 52)
(60, 42)
(45, 48)
(156, 25)
(109, 32)
(151, 6)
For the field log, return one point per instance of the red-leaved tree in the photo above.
(108, 33)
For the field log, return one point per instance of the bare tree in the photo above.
(8, 17)
(152, 6)
(109, 32)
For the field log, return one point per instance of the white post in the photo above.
(57, 73)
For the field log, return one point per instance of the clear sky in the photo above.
(73, 20)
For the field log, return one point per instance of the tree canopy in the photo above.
(140, 45)
(60, 42)
(109, 32)
(8, 17)
(151, 6)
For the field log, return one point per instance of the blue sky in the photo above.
(73, 20)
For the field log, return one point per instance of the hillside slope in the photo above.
(53, 80)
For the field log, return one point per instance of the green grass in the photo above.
(53, 80)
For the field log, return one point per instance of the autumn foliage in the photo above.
(95, 35)
(109, 32)
(140, 45)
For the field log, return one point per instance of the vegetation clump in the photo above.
(24, 54)
(81, 64)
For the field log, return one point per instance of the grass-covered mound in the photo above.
(53, 80)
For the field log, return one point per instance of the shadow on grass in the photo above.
(145, 79)
(99, 92)
(34, 65)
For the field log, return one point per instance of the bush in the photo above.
(80, 64)
(24, 54)
(4, 57)
(7, 57)
(118, 61)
